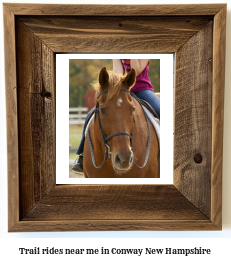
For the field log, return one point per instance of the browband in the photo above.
(105, 91)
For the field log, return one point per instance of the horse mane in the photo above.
(113, 86)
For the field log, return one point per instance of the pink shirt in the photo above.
(142, 80)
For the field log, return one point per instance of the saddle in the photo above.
(146, 105)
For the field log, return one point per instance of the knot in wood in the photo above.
(45, 94)
(198, 158)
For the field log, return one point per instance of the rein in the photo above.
(107, 153)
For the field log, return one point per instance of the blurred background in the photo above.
(82, 72)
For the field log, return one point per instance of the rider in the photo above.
(142, 88)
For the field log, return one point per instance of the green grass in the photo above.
(75, 135)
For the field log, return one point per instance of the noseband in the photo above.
(105, 138)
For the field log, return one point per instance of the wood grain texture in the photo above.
(218, 114)
(108, 202)
(194, 201)
(11, 116)
(111, 207)
(115, 10)
(193, 113)
(94, 34)
(35, 66)
(114, 225)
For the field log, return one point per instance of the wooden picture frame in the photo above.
(33, 34)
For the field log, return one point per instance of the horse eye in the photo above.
(103, 111)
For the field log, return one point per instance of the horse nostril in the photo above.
(123, 161)
(117, 159)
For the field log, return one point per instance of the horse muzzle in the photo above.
(122, 161)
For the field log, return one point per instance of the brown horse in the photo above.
(120, 142)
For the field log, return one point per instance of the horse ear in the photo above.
(130, 79)
(103, 77)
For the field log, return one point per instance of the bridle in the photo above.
(107, 153)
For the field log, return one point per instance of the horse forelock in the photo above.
(113, 86)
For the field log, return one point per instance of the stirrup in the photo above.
(77, 158)
(78, 164)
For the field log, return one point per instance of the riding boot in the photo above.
(78, 166)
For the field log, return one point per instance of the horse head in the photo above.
(116, 118)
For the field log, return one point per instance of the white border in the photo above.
(62, 119)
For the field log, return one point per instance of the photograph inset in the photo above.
(114, 118)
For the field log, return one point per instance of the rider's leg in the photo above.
(150, 97)
(78, 166)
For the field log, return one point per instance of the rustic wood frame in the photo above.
(33, 35)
